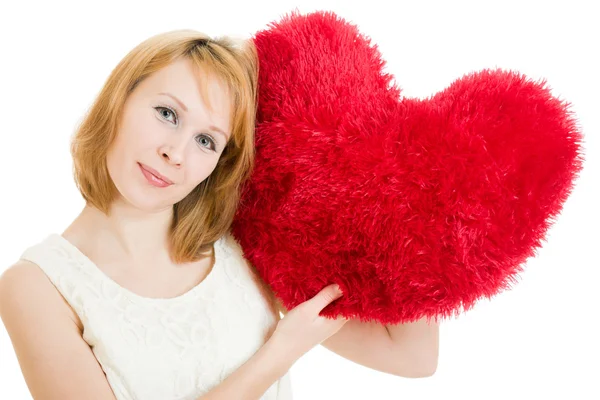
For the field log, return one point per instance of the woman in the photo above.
(146, 295)
(158, 302)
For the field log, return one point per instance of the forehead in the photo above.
(185, 80)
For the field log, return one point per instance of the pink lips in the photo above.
(153, 177)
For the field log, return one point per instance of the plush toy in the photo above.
(415, 207)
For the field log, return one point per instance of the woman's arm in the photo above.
(407, 350)
(57, 363)
(55, 360)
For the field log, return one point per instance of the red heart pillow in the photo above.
(414, 207)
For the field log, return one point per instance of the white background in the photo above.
(536, 341)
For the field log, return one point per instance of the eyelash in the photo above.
(214, 144)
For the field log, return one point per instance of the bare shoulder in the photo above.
(20, 280)
(24, 286)
(46, 335)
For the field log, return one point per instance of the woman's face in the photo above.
(166, 129)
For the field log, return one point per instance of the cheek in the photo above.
(200, 169)
(142, 128)
(145, 133)
(116, 154)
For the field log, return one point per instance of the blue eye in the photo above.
(162, 110)
(165, 112)
(210, 140)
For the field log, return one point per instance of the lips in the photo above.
(155, 175)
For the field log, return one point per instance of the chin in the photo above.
(146, 202)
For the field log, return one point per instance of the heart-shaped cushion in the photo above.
(415, 207)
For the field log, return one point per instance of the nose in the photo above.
(173, 154)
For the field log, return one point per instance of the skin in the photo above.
(130, 247)
(130, 244)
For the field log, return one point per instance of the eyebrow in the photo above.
(180, 103)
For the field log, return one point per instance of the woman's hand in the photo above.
(303, 328)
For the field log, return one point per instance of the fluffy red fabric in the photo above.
(415, 207)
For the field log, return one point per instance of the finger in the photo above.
(325, 297)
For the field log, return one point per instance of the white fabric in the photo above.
(165, 349)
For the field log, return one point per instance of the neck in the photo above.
(126, 233)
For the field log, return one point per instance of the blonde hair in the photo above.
(207, 212)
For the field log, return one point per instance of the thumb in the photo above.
(326, 296)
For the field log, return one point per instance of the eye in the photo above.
(208, 139)
(165, 112)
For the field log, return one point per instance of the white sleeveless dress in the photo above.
(165, 349)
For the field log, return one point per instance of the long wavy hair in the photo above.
(207, 212)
